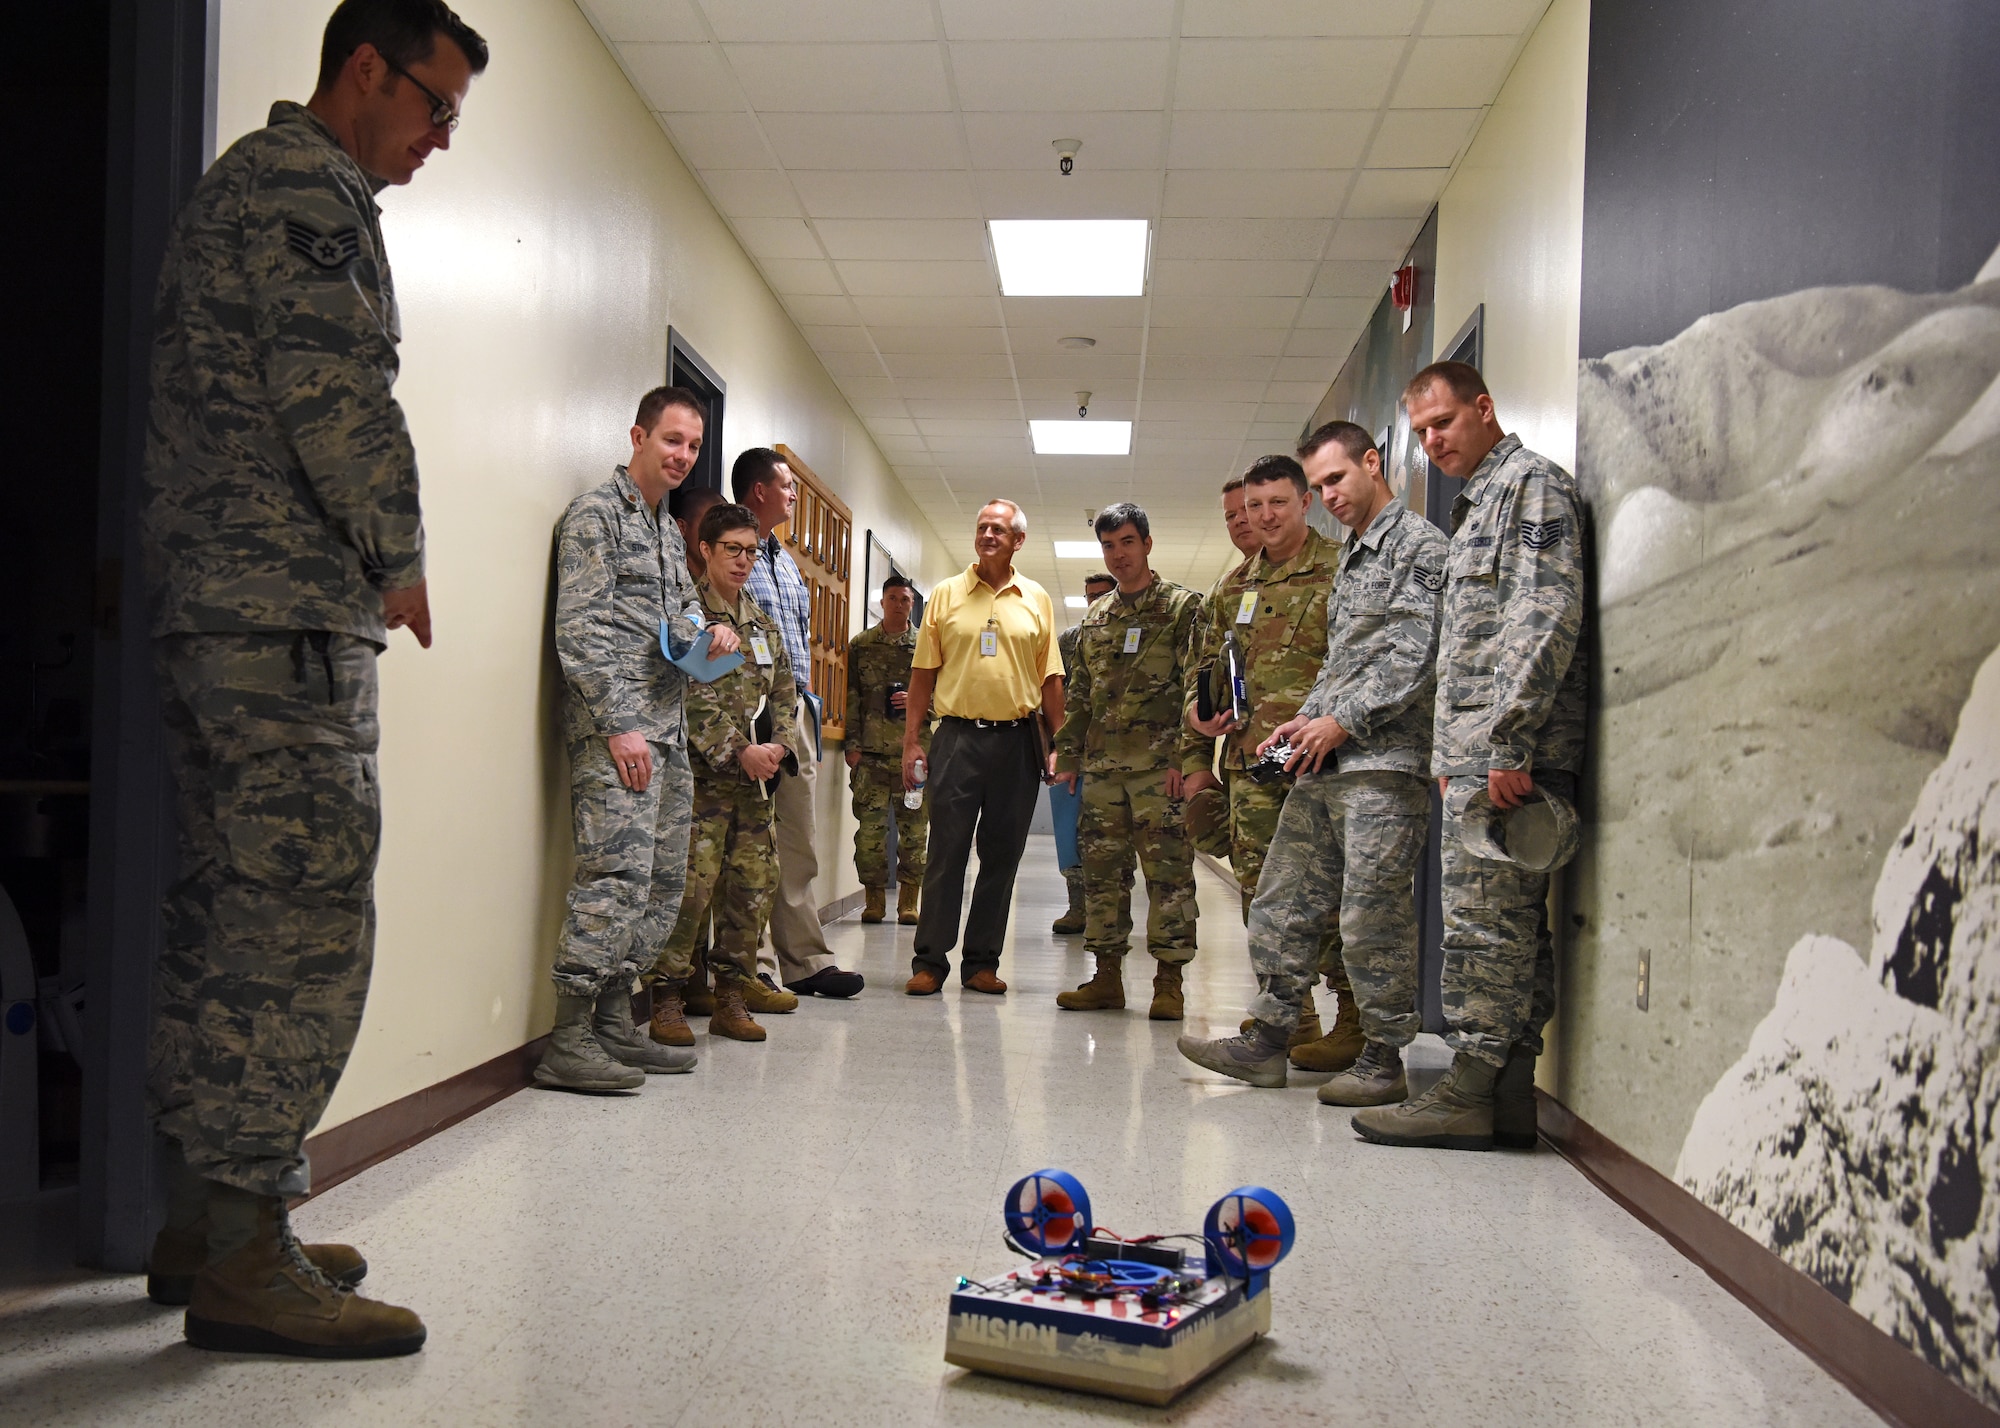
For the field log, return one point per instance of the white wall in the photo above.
(1510, 234)
(538, 265)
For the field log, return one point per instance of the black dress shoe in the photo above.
(828, 982)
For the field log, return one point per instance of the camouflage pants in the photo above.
(732, 870)
(631, 865)
(1254, 810)
(1347, 847)
(1128, 814)
(270, 926)
(876, 787)
(1208, 820)
(1499, 977)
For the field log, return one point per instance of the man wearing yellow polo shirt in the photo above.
(987, 660)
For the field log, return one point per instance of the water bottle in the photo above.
(914, 797)
(1232, 665)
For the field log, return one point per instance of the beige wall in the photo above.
(1510, 234)
(538, 265)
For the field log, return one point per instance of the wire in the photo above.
(1007, 1237)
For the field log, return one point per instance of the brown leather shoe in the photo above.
(984, 981)
(923, 983)
(670, 1027)
(731, 1019)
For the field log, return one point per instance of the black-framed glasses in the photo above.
(442, 114)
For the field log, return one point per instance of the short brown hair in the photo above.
(1353, 439)
(725, 516)
(1099, 577)
(403, 32)
(1275, 467)
(660, 398)
(1462, 379)
(1234, 483)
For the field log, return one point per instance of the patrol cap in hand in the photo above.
(1541, 835)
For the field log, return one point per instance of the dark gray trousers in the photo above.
(982, 785)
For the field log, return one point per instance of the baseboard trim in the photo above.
(1887, 1376)
(841, 906)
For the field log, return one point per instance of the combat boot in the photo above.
(1168, 1004)
(181, 1247)
(260, 1294)
(616, 1032)
(1336, 1050)
(1105, 991)
(906, 903)
(670, 1024)
(1375, 1079)
(873, 907)
(731, 1018)
(698, 997)
(1514, 1101)
(1072, 921)
(1256, 1056)
(760, 994)
(574, 1061)
(1307, 1029)
(1455, 1114)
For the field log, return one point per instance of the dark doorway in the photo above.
(686, 369)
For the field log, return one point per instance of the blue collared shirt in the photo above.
(779, 588)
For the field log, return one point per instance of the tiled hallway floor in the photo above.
(772, 1239)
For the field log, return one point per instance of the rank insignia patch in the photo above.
(1540, 535)
(1431, 580)
(328, 251)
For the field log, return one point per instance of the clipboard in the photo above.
(696, 663)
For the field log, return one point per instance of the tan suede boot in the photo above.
(1168, 1004)
(697, 996)
(873, 907)
(1306, 1030)
(760, 995)
(730, 1018)
(670, 1026)
(1105, 991)
(1072, 921)
(178, 1253)
(906, 903)
(1455, 1114)
(265, 1297)
(1337, 1050)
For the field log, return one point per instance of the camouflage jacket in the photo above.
(620, 571)
(719, 714)
(280, 486)
(1511, 676)
(1122, 707)
(1381, 644)
(1284, 642)
(875, 660)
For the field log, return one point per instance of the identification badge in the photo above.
(760, 649)
(989, 643)
(1132, 639)
(1246, 608)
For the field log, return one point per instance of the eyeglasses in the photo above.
(442, 114)
(734, 548)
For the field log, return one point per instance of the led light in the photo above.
(1081, 438)
(1070, 257)
(1079, 550)
(1076, 602)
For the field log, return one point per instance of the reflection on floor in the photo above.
(772, 1240)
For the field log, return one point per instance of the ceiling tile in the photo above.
(1104, 193)
(951, 389)
(963, 410)
(812, 277)
(1387, 238)
(1085, 369)
(1309, 392)
(838, 339)
(1263, 342)
(1345, 313)
(1288, 73)
(864, 141)
(1318, 369)
(1214, 278)
(647, 19)
(1347, 278)
(882, 427)
(1484, 17)
(1255, 193)
(866, 278)
(1176, 394)
(1205, 364)
(1158, 428)
(1061, 74)
(1395, 193)
(939, 339)
(1240, 238)
(1461, 72)
(945, 193)
(682, 77)
(1322, 342)
(1300, 17)
(856, 78)
(1057, 19)
(945, 427)
(777, 237)
(810, 311)
(1033, 335)
(842, 365)
(751, 193)
(850, 20)
(718, 141)
(906, 238)
(1238, 139)
(1421, 138)
(1082, 316)
(929, 311)
(1172, 312)
(1111, 139)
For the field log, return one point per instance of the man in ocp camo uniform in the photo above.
(621, 576)
(1354, 826)
(1066, 799)
(878, 683)
(1208, 795)
(283, 540)
(1123, 734)
(1507, 746)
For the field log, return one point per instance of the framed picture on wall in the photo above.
(876, 565)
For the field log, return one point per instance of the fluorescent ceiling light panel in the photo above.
(1076, 602)
(1081, 438)
(1078, 550)
(1064, 257)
